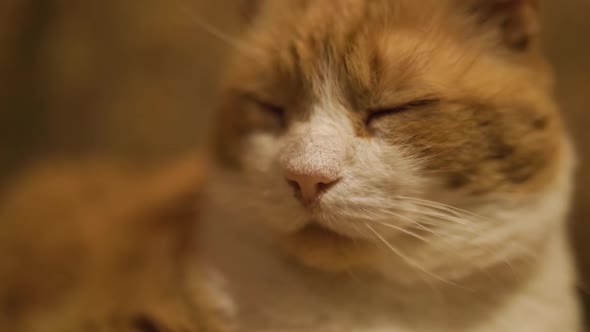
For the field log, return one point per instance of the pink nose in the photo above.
(309, 186)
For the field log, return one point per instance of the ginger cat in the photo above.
(393, 165)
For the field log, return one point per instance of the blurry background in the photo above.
(136, 80)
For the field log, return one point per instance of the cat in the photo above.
(393, 165)
(100, 245)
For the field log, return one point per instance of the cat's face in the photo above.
(409, 137)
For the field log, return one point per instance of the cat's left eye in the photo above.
(375, 114)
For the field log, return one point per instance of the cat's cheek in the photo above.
(395, 167)
(258, 190)
(260, 152)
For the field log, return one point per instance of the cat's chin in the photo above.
(320, 247)
(317, 231)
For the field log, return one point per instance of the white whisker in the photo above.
(417, 224)
(231, 41)
(429, 202)
(405, 231)
(447, 218)
(406, 258)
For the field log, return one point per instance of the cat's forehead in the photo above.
(364, 46)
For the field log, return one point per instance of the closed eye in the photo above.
(378, 113)
(267, 106)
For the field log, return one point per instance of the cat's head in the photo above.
(419, 138)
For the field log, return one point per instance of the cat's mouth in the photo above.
(315, 231)
(319, 246)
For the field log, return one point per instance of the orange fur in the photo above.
(102, 245)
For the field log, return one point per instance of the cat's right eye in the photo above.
(273, 109)
(268, 113)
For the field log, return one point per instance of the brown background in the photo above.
(137, 80)
(567, 36)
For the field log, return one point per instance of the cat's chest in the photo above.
(274, 295)
(277, 301)
(286, 303)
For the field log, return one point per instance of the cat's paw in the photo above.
(209, 291)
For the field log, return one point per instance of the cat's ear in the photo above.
(248, 9)
(516, 22)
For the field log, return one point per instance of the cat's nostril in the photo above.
(323, 187)
(296, 189)
(294, 185)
